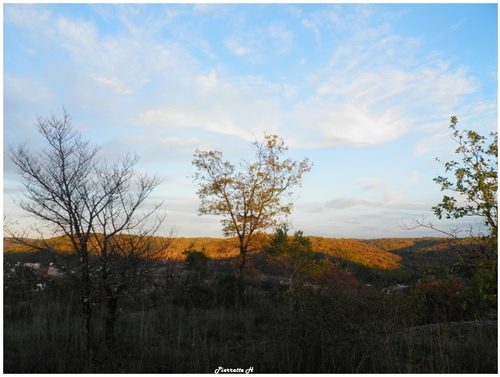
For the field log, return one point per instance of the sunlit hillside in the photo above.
(383, 253)
(428, 253)
(351, 250)
(384, 295)
(356, 251)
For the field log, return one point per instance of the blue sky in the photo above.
(365, 91)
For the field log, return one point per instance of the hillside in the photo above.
(427, 253)
(356, 251)
(381, 262)
(350, 250)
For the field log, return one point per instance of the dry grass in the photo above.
(197, 326)
(302, 333)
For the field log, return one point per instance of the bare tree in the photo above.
(250, 199)
(74, 193)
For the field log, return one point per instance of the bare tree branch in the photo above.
(68, 188)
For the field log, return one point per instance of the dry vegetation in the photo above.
(191, 321)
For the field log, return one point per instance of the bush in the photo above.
(485, 281)
(226, 289)
(196, 261)
(442, 300)
(196, 264)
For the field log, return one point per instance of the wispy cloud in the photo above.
(116, 85)
(346, 202)
(312, 25)
(235, 45)
(371, 183)
(375, 90)
(259, 44)
(27, 16)
(375, 87)
(167, 79)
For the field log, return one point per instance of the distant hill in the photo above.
(356, 251)
(428, 253)
(423, 244)
(384, 261)
(351, 250)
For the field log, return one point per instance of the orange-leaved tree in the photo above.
(250, 198)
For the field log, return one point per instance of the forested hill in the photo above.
(379, 253)
(382, 253)
(351, 250)
(356, 251)
(427, 251)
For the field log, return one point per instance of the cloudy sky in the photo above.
(364, 91)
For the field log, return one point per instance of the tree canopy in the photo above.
(472, 191)
(294, 256)
(475, 180)
(252, 197)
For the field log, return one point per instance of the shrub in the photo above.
(196, 261)
(226, 289)
(485, 281)
(442, 299)
(196, 264)
(294, 256)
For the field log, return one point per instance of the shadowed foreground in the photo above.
(191, 322)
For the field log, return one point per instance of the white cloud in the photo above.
(235, 45)
(116, 85)
(374, 99)
(375, 87)
(289, 91)
(312, 25)
(123, 61)
(371, 183)
(242, 106)
(389, 202)
(412, 179)
(80, 37)
(259, 44)
(27, 16)
(435, 144)
(139, 78)
(283, 38)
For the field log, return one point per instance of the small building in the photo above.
(35, 266)
(54, 271)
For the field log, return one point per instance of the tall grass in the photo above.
(343, 329)
(42, 334)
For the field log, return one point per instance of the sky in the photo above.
(365, 92)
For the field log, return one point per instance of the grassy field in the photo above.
(190, 323)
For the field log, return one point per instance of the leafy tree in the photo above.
(74, 193)
(475, 181)
(251, 198)
(196, 262)
(474, 188)
(293, 255)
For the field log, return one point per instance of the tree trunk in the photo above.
(241, 280)
(86, 306)
(112, 304)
